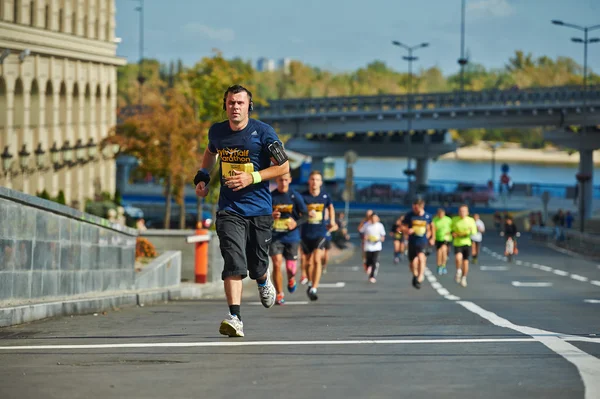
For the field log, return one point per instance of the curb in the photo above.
(27, 313)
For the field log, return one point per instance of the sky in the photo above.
(343, 35)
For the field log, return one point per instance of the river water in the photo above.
(464, 171)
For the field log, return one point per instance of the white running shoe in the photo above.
(304, 281)
(232, 327)
(458, 276)
(463, 281)
(267, 293)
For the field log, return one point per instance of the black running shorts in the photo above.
(310, 245)
(372, 258)
(415, 249)
(439, 244)
(465, 250)
(244, 242)
(288, 249)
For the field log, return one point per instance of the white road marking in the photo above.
(591, 300)
(587, 365)
(333, 285)
(443, 292)
(452, 297)
(532, 284)
(265, 343)
(545, 268)
(436, 285)
(493, 268)
(595, 282)
(355, 268)
(561, 272)
(527, 263)
(536, 266)
(286, 303)
(579, 278)
(518, 262)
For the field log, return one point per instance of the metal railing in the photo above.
(469, 99)
(572, 240)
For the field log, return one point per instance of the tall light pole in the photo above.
(141, 79)
(462, 61)
(584, 180)
(410, 58)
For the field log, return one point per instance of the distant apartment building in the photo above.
(268, 65)
(58, 96)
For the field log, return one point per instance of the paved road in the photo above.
(386, 340)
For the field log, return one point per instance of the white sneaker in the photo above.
(232, 327)
(267, 293)
(463, 281)
(304, 281)
(458, 276)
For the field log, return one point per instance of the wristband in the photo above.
(256, 177)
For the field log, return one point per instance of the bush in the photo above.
(144, 248)
(44, 195)
(60, 198)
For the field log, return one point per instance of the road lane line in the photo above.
(452, 297)
(265, 343)
(561, 272)
(333, 285)
(436, 285)
(493, 268)
(531, 284)
(587, 365)
(595, 282)
(579, 278)
(286, 303)
(545, 268)
(591, 300)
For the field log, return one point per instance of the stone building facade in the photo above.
(58, 96)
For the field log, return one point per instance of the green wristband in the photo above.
(256, 177)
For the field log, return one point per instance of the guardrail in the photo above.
(512, 97)
(581, 243)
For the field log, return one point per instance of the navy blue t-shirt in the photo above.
(315, 228)
(419, 226)
(244, 150)
(291, 205)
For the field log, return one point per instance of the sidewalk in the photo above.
(27, 311)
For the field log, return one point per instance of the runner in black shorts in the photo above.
(288, 208)
(417, 225)
(249, 154)
(397, 233)
(315, 230)
(463, 227)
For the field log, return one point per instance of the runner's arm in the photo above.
(332, 223)
(209, 160)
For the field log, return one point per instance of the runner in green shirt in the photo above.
(443, 226)
(463, 227)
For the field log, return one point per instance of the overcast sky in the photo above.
(343, 35)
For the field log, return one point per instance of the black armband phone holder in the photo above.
(277, 152)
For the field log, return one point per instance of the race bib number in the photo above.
(315, 213)
(281, 225)
(419, 228)
(227, 169)
(397, 235)
(373, 238)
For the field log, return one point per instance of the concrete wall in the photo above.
(164, 271)
(174, 240)
(49, 250)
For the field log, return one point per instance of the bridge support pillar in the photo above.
(586, 168)
(422, 171)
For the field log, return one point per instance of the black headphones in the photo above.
(238, 89)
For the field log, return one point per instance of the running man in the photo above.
(288, 209)
(443, 236)
(374, 233)
(463, 227)
(417, 226)
(246, 148)
(511, 231)
(398, 235)
(327, 245)
(362, 236)
(477, 238)
(315, 230)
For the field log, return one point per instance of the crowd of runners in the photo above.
(257, 226)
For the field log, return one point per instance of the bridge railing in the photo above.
(513, 97)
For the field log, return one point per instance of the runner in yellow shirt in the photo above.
(463, 227)
(443, 227)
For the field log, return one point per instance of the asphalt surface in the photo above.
(360, 340)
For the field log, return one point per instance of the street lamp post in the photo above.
(584, 181)
(141, 78)
(462, 61)
(494, 147)
(410, 58)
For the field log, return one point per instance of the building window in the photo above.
(47, 17)
(32, 10)
(97, 29)
(17, 11)
(74, 23)
(107, 33)
(61, 20)
(86, 31)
